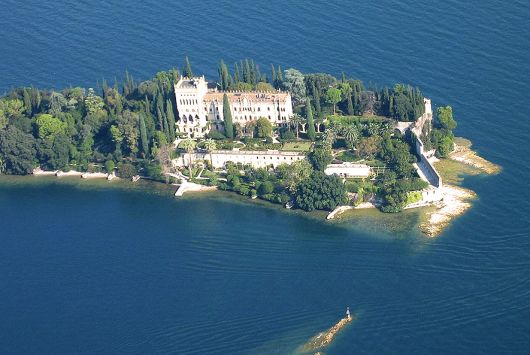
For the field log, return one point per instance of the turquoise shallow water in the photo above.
(98, 270)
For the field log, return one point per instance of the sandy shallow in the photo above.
(320, 341)
(464, 154)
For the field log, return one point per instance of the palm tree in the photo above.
(210, 146)
(296, 120)
(372, 128)
(351, 135)
(189, 144)
(329, 137)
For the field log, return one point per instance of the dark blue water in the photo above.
(120, 271)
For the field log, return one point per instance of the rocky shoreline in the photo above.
(456, 200)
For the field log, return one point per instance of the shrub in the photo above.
(109, 166)
(126, 171)
(265, 188)
(286, 134)
(215, 134)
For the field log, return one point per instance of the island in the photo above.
(306, 141)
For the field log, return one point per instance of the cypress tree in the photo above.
(147, 106)
(223, 75)
(227, 116)
(311, 134)
(27, 101)
(170, 115)
(166, 128)
(274, 79)
(350, 106)
(35, 99)
(317, 101)
(279, 75)
(105, 87)
(246, 73)
(237, 74)
(143, 137)
(161, 120)
(252, 72)
(186, 70)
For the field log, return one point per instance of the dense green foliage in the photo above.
(321, 157)
(321, 192)
(83, 129)
(402, 102)
(129, 128)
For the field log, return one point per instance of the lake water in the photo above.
(89, 269)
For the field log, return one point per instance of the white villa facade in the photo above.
(349, 170)
(257, 159)
(200, 107)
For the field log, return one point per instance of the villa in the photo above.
(200, 106)
(349, 170)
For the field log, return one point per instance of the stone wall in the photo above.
(425, 165)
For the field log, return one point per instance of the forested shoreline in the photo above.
(129, 126)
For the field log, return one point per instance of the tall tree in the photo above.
(237, 73)
(246, 72)
(333, 97)
(210, 146)
(445, 117)
(27, 101)
(227, 116)
(186, 70)
(17, 150)
(253, 72)
(264, 128)
(350, 106)
(310, 121)
(316, 97)
(189, 145)
(143, 137)
(170, 116)
(224, 76)
(295, 84)
(296, 120)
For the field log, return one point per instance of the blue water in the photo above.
(123, 271)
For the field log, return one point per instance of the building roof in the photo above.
(189, 83)
(254, 96)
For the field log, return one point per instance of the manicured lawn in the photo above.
(297, 146)
(347, 156)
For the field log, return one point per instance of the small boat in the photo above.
(289, 205)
